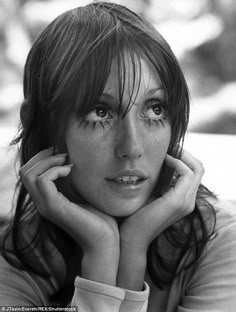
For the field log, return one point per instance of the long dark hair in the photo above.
(65, 74)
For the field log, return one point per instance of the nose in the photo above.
(129, 141)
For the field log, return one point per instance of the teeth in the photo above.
(127, 179)
(134, 179)
(124, 179)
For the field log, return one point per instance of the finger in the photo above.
(41, 155)
(184, 175)
(45, 164)
(45, 181)
(193, 163)
(190, 161)
(31, 177)
(181, 168)
(58, 205)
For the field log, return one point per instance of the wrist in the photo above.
(132, 240)
(101, 266)
(132, 267)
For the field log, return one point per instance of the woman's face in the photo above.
(117, 160)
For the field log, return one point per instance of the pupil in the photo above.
(157, 110)
(101, 112)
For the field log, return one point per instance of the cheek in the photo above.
(82, 155)
(158, 142)
(87, 152)
(157, 149)
(156, 156)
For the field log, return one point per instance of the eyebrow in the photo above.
(150, 92)
(107, 96)
(154, 90)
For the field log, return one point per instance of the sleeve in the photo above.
(90, 296)
(212, 288)
(136, 301)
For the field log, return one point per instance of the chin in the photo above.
(122, 209)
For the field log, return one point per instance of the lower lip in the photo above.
(126, 188)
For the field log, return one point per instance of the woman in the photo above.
(110, 212)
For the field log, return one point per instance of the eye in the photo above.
(100, 113)
(154, 110)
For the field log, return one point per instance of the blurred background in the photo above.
(201, 33)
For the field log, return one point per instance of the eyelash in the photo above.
(93, 124)
(104, 123)
(154, 122)
(160, 120)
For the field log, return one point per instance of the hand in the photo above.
(95, 232)
(141, 228)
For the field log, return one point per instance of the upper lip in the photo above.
(130, 172)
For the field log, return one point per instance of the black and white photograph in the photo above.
(118, 155)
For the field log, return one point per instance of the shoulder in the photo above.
(213, 283)
(224, 233)
(218, 260)
(225, 215)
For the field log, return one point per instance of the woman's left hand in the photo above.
(138, 230)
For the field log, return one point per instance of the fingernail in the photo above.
(70, 165)
(50, 149)
(62, 154)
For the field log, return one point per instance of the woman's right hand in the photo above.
(95, 232)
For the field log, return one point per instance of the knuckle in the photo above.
(40, 180)
(200, 163)
(200, 166)
(202, 169)
(190, 173)
(178, 161)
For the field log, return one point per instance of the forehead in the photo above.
(136, 75)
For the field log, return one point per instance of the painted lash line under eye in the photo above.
(158, 120)
(83, 123)
(93, 124)
(106, 122)
(157, 123)
(102, 123)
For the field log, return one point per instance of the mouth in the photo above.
(127, 180)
